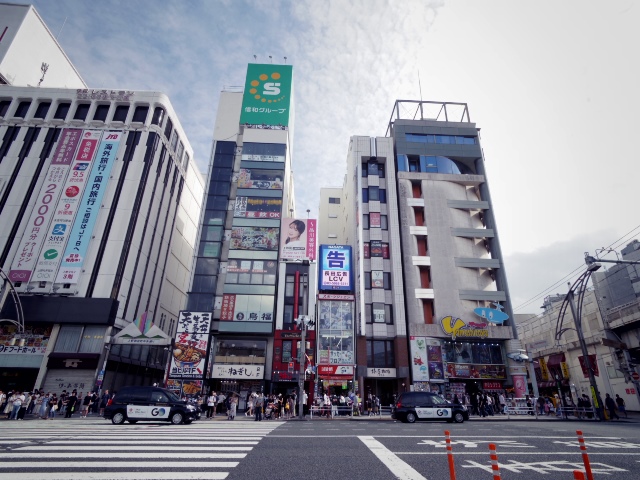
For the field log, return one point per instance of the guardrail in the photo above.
(336, 411)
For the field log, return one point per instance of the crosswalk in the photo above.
(96, 450)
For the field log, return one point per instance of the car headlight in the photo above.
(191, 407)
(464, 407)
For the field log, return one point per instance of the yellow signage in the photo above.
(565, 369)
(456, 327)
(544, 371)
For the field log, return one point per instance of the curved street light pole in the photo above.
(6, 290)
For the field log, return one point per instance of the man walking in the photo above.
(621, 405)
(259, 402)
(611, 406)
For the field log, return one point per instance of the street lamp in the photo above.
(580, 287)
(304, 322)
(6, 290)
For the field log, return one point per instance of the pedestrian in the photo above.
(3, 400)
(233, 406)
(71, 404)
(86, 404)
(104, 399)
(53, 406)
(621, 405)
(502, 402)
(540, 404)
(259, 402)
(211, 405)
(94, 403)
(25, 405)
(18, 400)
(611, 406)
(44, 405)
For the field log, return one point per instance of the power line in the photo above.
(620, 241)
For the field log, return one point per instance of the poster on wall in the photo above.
(191, 342)
(419, 359)
(434, 356)
(260, 179)
(36, 340)
(461, 370)
(298, 239)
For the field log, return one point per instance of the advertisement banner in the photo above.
(247, 308)
(191, 345)
(38, 225)
(88, 209)
(335, 370)
(374, 219)
(267, 95)
(257, 207)
(260, 179)
(67, 207)
(594, 365)
(335, 267)
(420, 360)
(254, 238)
(462, 370)
(228, 306)
(434, 356)
(36, 340)
(377, 279)
(544, 371)
(298, 239)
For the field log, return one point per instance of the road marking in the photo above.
(83, 454)
(119, 464)
(139, 448)
(123, 475)
(212, 441)
(397, 467)
(572, 452)
(475, 443)
(545, 467)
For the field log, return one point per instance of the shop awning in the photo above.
(555, 360)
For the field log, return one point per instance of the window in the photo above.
(158, 116)
(101, 113)
(214, 217)
(140, 114)
(365, 221)
(367, 280)
(414, 166)
(378, 312)
(217, 202)
(381, 173)
(387, 280)
(365, 195)
(384, 223)
(374, 194)
(383, 195)
(207, 266)
(82, 110)
(42, 110)
(22, 109)
(120, 114)
(209, 249)
(4, 106)
(92, 339)
(286, 351)
(62, 111)
(251, 272)
(204, 284)
(198, 302)
(180, 151)
(372, 168)
(257, 150)
(334, 200)
(174, 141)
(168, 129)
(68, 338)
(380, 354)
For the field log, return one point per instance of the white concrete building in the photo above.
(100, 201)
(30, 54)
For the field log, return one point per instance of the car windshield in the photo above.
(172, 396)
(438, 400)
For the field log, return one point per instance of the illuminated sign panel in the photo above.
(335, 267)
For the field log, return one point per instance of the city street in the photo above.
(95, 449)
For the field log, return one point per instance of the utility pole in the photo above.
(304, 322)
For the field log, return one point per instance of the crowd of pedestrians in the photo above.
(15, 405)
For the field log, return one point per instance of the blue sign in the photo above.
(493, 315)
(335, 268)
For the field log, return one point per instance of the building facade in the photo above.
(255, 265)
(99, 207)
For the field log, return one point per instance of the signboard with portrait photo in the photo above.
(298, 239)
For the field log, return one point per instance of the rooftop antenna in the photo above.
(270, 58)
(285, 60)
(43, 68)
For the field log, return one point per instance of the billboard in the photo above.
(298, 239)
(254, 238)
(267, 95)
(260, 179)
(257, 207)
(88, 209)
(335, 268)
(335, 332)
(67, 207)
(35, 233)
(191, 345)
(247, 308)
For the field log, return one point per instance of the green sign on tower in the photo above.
(267, 95)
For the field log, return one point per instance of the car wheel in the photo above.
(458, 417)
(411, 417)
(118, 418)
(133, 421)
(176, 418)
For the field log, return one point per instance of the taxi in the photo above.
(412, 406)
(135, 404)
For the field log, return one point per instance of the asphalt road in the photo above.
(94, 449)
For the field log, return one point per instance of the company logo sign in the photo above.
(267, 95)
(335, 267)
(456, 327)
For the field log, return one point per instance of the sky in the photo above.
(552, 85)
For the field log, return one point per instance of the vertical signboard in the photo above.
(267, 95)
(88, 209)
(335, 330)
(335, 267)
(67, 207)
(35, 233)
(298, 239)
(191, 345)
(419, 359)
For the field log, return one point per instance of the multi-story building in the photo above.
(255, 259)
(432, 299)
(331, 227)
(29, 53)
(99, 206)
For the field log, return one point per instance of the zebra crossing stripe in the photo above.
(117, 464)
(106, 442)
(182, 475)
(139, 448)
(83, 454)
